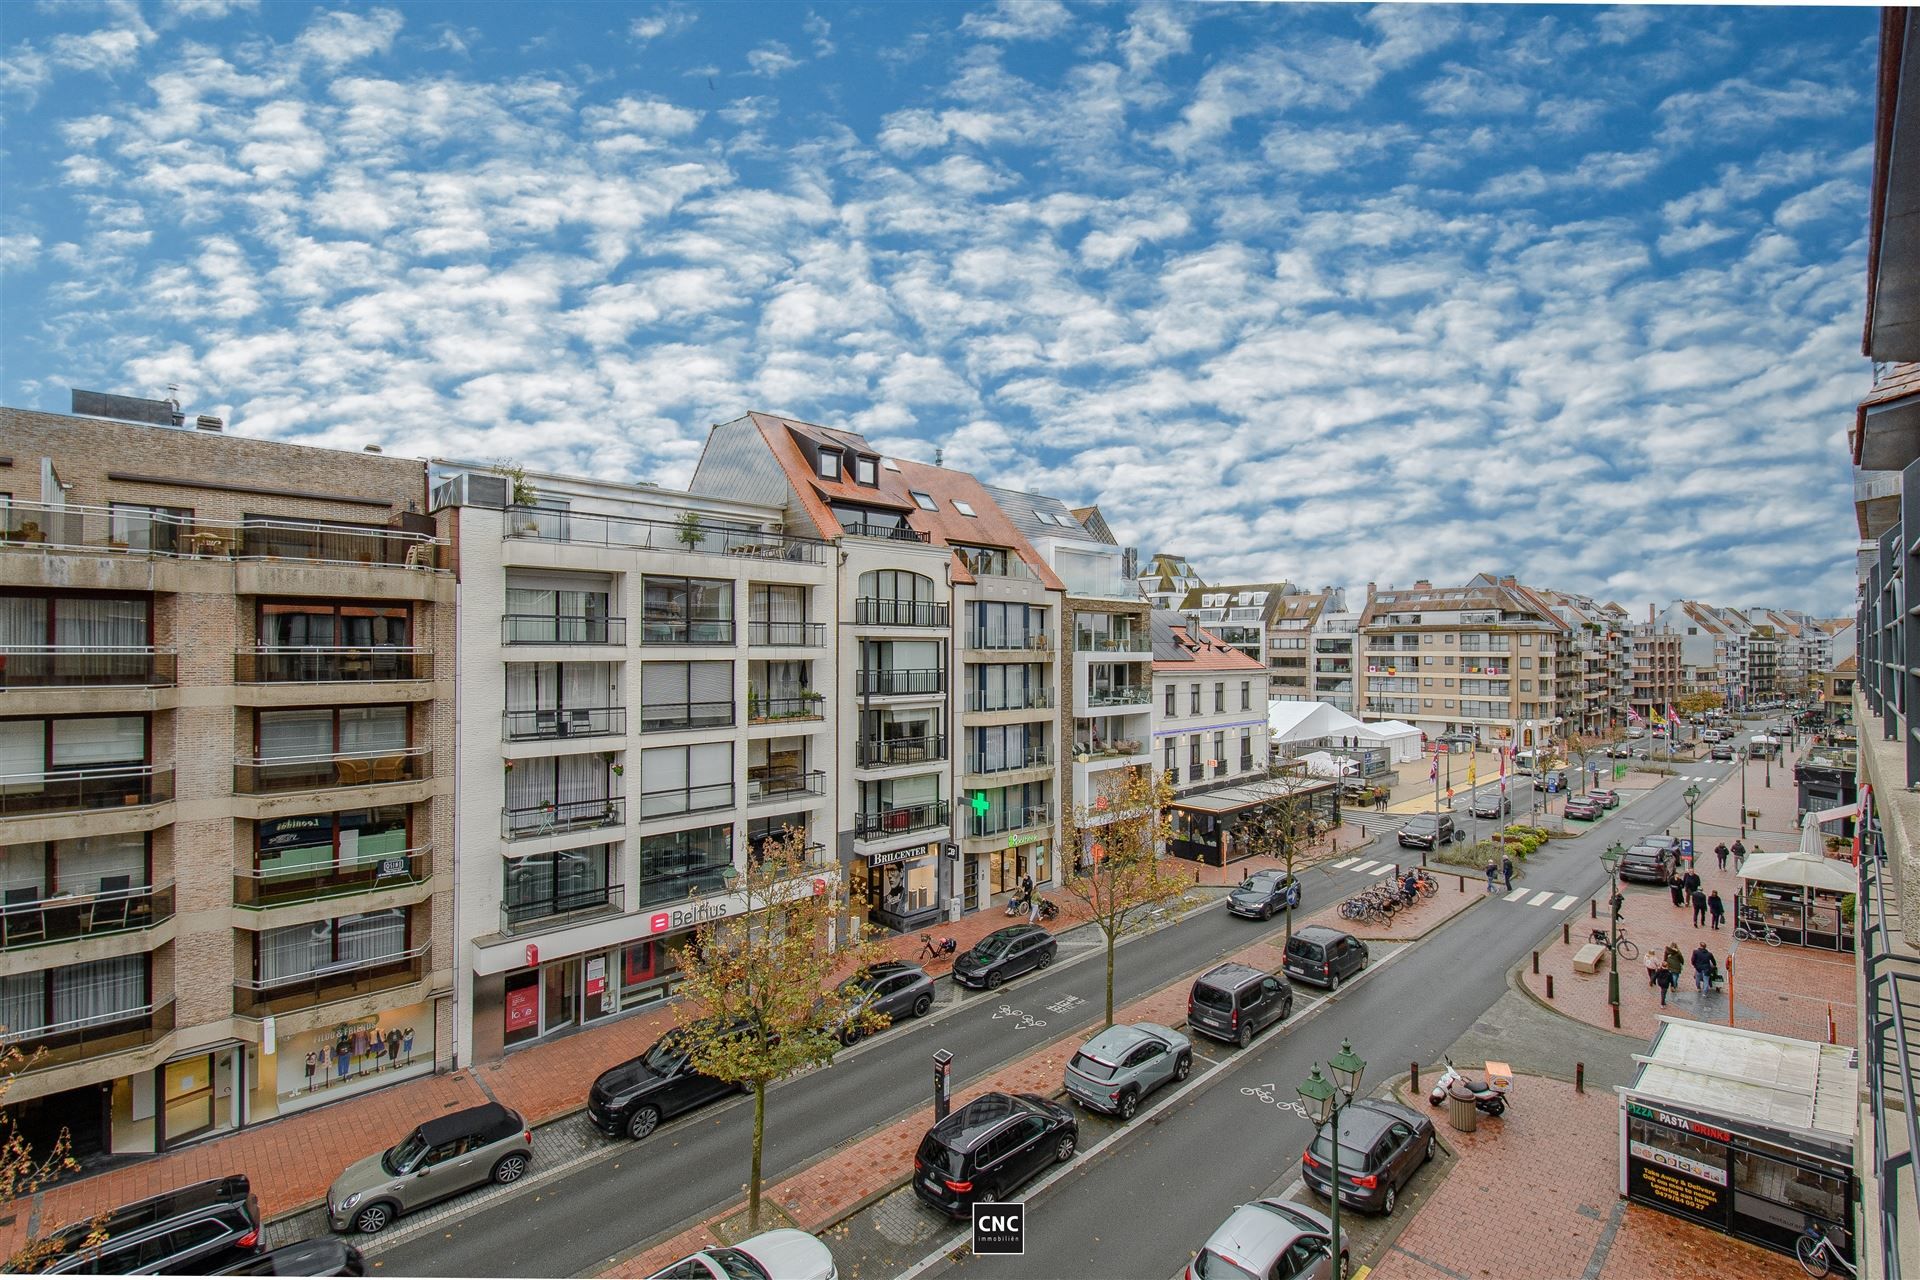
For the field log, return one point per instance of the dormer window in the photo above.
(866, 471)
(924, 501)
(829, 464)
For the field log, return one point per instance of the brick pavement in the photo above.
(1777, 804)
(1412, 922)
(1529, 1197)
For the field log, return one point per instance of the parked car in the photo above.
(1492, 804)
(1382, 1145)
(1670, 843)
(1428, 831)
(989, 1148)
(1619, 751)
(1123, 1064)
(1269, 1238)
(1721, 752)
(1233, 1002)
(782, 1254)
(893, 987)
(1556, 780)
(1636, 732)
(1711, 735)
(1263, 893)
(1648, 865)
(442, 1157)
(1583, 808)
(189, 1231)
(1607, 799)
(1324, 956)
(320, 1256)
(634, 1097)
(1005, 953)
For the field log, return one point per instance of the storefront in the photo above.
(1208, 827)
(1804, 897)
(581, 989)
(903, 886)
(1029, 855)
(1747, 1133)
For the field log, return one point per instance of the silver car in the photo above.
(1123, 1064)
(1269, 1238)
(443, 1157)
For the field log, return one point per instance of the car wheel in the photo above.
(1333, 981)
(924, 1003)
(508, 1169)
(1129, 1104)
(1266, 912)
(643, 1122)
(993, 979)
(1392, 1199)
(1286, 1010)
(1183, 1066)
(1063, 1149)
(1432, 1142)
(373, 1219)
(1046, 957)
(1245, 1037)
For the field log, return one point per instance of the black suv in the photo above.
(634, 1097)
(1492, 804)
(1324, 956)
(990, 1147)
(1233, 1001)
(1428, 831)
(1263, 893)
(1382, 1145)
(192, 1231)
(1644, 863)
(1005, 953)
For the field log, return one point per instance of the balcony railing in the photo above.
(563, 722)
(1119, 695)
(884, 823)
(339, 769)
(780, 786)
(884, 752)
(673, 800)
(1032, 758)
(65, 917)
(546, 524)
(657, 716)
(1033, 642)
(891, 533)
(895, 681)
(260, 996)
(767, 710)
(565, 628)
(61, 1043)
(876, 611)
(993, 567)
(561, 909)
(37, 525)
(1115, 749)
(1131, 643)
(553, 818)
(686, 631)
(1038, 699)
(107, 787)
(803, 635)
(993, 824)
(256, 889)
(678, 886)
(285, 665)
(83, 666)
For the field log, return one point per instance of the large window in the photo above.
(74, 622)
(347, 942)
(996, 625)
(686, 695)
(687, 611)
(91, 864)
(323, 844)
(552, 884)
(898, 598)
(683, 863)
(558, 615)
(777, 614)
(48, 1001)
(142, 527)
(80, 742)
(992, 748)
(322, 624)
(686, 779)
(997, 687)
(561, 699)
(324, 731)
(557, 792)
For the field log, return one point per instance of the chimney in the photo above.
(207, 422)
(1649, 612)
(370, 448)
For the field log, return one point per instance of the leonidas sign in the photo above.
(707, 910)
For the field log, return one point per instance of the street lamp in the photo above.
(1692, 796)
(1324, 1103)
(1611, 861)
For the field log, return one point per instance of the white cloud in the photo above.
(1018, 20)
(337, 38)
(1157, 32)
(662, 23)
(652, 116)
(1469, 91)
(771, 59)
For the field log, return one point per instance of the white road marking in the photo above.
(1540, 897)
(1381, 870)
(1362, 866)
(1518, 894)
(1345, 862)
(1565, 902)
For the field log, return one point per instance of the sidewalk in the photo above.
(1409, 923)
(1719, 813)
(1534, 1196)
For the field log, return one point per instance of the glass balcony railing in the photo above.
(661, 716)
(873, 611)
(67, 916)
(1119, 695)
(885, 752)
(806, 635)
(546, 524)
(1035, 699)
(558, 910)
(531, 821)
(260, 888)
(283, 665)
(781, 786)
(81, 528)
(994, 823)
(881, 824)
(1127, 643)
(563, 722)
(284, 992)
(339, 769)
(1005, 762)
(678, 886)
(1032, 642)
(72, 790)
(901, 681)
(78, 1039)
(767, 710)
(548, 628)
(83, 666)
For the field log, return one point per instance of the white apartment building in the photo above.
(1209, 708)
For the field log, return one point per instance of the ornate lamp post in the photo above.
(1611, 861)
(1324, 1102)
(1692, 796)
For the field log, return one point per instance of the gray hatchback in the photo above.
(1123, 1064)
(441, 1158)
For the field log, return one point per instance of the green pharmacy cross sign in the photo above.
(979, 804)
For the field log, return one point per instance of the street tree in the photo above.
(1280, 826)
(1123, 878)
(761, 1003)
(1699, 702)
(23, 1173)
(1578, 747)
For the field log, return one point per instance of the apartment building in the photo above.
(1336, 657)
(1209, 708)
(949, 655)
(1709, 645)
(1483, 660)
(647, 691)
(226, 721)
(1295, 633)
(1656, 672)
(1599, 672)
(1166, 579)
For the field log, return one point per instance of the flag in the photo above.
(1633, 717)
(1470, 775)
(1672, 719)
(1433, 773)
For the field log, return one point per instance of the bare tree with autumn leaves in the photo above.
(23, 1172)
(1280, 825)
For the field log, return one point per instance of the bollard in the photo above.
(1616, 1016)
(1463, 883)
(1413, 1077)
(1579, 1077)
(1536, 962)
(1593, 908)
(1566, 933)
(1549, 986)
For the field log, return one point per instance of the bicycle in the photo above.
(928, 951)
(1627, 948)
(1756, 929)
(1817, 1253)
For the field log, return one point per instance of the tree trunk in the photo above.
(759, 1132)
(1114, 929)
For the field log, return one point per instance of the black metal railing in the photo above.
(923, 749)
(62, 1043)
(883, 823)
(107, 787)
(549, 628)
(289, 665)
(66, 916)
(259, 888)
(546, 524)
(563, 722)
(892, 533)
(530, 821)
(877, 611)
(692, 799)
(686, 631)
(562, 908)
(678, 886)
(685, 715)
(779, 786)
(897, 681)
(764, 710)
(260, 996)
(809, 635)
(83, 667)
(338, 769)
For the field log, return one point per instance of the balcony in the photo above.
(882, 753)
(686, 631)
(1031, 643)
(63, 1043)
(1037, 757)
(553, 818)
(562, 909)
(987, 566)
(901, 681)
(34, 525)
(761, 710)
(873, 611)
(1040, 699)
(1333, 666)
(258, 997)
(884, 824)
(678, 886)
(544, 524)
(270, 665)
(257, 890)
(785, 785)
(792, 635)
(543, 724)
(662, 716)
(74, 790)
(564, 628)
(1119, 695)
(1130, 643)
(889, 533)
(1111, 749)
(691, 799)
(84, 666)
(995, 824)
(66, 917)
(260, 776)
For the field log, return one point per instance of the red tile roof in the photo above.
(1208, 654)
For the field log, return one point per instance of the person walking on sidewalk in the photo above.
(1493, 869)
(1677, 889)
(1676, 962)
(1664, 980)
(1699, 901)
(1720, 852)
(1739, 854)
(1691, 882)
(1702, 967)
(1716, 908)
(1506, 870)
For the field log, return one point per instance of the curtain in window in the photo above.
(583, 684)
(84, 865)
(377, 935)
(23, 621)
(79, 744)
(525, 683)
(295, 949)
(780, 604)
(530, 784)
(370, 729)
(292, 627)
(22, 748)
(23, 1004)
(537, 601)
(90, 622)
(99, 991)
(295, 733)
(784, 679)
(581, 778)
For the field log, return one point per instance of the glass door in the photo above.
(186, 1092)
(559, 1003)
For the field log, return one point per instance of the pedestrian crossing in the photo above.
(1530, 897)
(1702, 777)
(1366, 867)
(1373, 822)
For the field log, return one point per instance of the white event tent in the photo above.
(1401, 739)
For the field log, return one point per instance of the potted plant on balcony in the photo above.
(753, 703)
(687, 531)
(812, 698)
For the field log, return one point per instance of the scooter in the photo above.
(1487, 1096)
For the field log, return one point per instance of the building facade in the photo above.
(1209, 708)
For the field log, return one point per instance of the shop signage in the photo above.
(1673, 1121)
(523, 1007)
(708, 910)
(596, 975)
(1683, 1164)
(390, 867)
(1670, 1189)
(909, 854)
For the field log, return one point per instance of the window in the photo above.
(1220, 752)
(321, 844)
(1246, 748)
(1006, 626)
(1173, 697)
(1526, 642)
(683, 862)
(74, 996)
(685, 695)
(685, 779)
(1246, 695)
(1427, 682)
(866, 471)
(142, 527)
(924, 501)
(90, 864)
(324, 624)
(1219, 695)
(326, 731)
(298, 951)
(993, 561)
(72, 622)
(687, 611)
(1526, 686)
(551, 884)
(555, 615)
(1170, 755)
(962, 507)
(1526, 664)
(557, 792)
(1193, 755)
(1193, 699)
(829, 464)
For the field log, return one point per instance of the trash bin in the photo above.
(1462, 1114)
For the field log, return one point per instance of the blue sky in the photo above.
(1331, 293)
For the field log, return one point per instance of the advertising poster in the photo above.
(1665, 1187)
(596, 975)
(523, 1007)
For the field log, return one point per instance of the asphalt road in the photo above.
(1142, 1207)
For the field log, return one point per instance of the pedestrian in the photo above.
(1665, 983)
(1702, 967)
(1699, 901)
(1739, 853)
(1720, 852)
(1716, 908)
(1677, 889)
(1033, 908)
(1691, 881)
(1506, 870)
(1675, 962)
(1656, 965)
(1026, 888)
(1493, 869)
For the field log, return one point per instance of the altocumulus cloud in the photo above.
(1335, 294)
